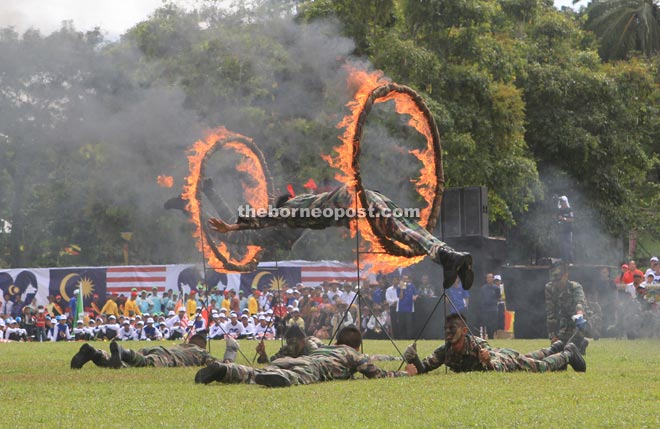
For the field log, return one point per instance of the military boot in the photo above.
(215, 371)
(575, 359)
(454, 264)
(272, 379)
(557, 347)
(87, 353)
(120, 356)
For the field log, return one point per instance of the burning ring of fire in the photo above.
(254, 164)
(383, 254)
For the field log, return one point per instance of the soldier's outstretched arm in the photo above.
(222, 227)
(435, 359)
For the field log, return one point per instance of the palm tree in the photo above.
(623, 26)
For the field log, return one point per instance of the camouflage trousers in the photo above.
(137, 360)
(381, 208)
(157, 357)
(296, 370)
(537, 361)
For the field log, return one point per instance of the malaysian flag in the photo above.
(320, 272)
(124, 279)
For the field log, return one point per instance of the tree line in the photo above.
(530, 101)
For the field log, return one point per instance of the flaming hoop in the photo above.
(257, 195)
(374, 89)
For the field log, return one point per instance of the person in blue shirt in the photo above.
(406, 308)
(156, 301)
(459, 298)
(489, 298)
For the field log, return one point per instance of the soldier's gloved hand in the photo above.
(261, 349)
(579, 320)
(410, 353)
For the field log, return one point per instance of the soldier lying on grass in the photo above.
(338, 362)
(463, 352)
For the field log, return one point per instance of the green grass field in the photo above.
(621, 388)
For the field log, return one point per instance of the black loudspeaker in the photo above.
(465, 212)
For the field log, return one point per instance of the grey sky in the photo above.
(114, 17)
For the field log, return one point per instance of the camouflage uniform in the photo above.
(505, 360)
(464, 361)
(311, 344)
(399, 229)
(501, 359)
(179, 355)
(560, 305)
(324, 364)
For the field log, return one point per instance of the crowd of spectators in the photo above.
(625, 306)
(149, 315)
(628, 305)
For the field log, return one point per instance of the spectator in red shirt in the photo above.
(618, 280)
(628, 276)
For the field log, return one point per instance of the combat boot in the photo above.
(120, 355)
(215, 371)
(85, 354)
(454, 264)
(272, 379)
(557, 347)
(575, 359)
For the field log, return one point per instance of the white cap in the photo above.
(262, 318)
(170, 313)
(140, 322)
(150, 320)
(232, 314)
(497, 277)
(654, 259)
(289, 291)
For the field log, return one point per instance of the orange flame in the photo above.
(366, 82)
(165, 181)
(255, 194)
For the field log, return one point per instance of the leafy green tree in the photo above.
(624, 27)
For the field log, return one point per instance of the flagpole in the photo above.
(79, 304)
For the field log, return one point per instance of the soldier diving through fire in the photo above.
(381, 210)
